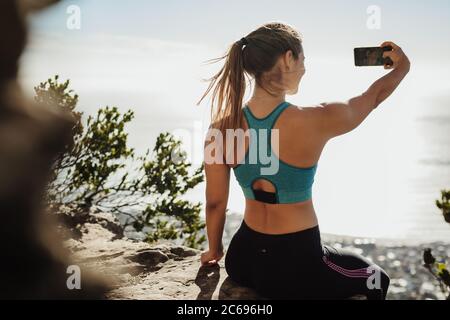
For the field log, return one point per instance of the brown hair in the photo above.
(254, 55)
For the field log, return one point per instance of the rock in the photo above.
(138, 270)
(183, 251)
(150, 258)
(74, 220)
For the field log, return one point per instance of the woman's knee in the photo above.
(385, 281)
(377, 283)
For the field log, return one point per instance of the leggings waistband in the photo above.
(307, 240)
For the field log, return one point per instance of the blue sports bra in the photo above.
(292, 183)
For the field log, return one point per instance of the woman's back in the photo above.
(298, 148)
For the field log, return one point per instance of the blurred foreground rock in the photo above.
(34, 262)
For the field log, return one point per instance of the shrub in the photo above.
(99, 169)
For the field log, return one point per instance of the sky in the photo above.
(150, 56)
(219, 22)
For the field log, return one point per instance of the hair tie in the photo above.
(244, 41)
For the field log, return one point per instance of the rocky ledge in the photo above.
(138, 270)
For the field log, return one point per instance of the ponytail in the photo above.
(254, 55)
(229, 89)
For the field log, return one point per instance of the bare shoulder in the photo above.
(301, 134)
(304, 115)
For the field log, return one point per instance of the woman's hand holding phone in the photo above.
(397, 56)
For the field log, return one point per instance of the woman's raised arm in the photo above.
(337, 118)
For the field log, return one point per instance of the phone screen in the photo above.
(370, 56)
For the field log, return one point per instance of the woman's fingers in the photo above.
(389, 63)
(391, 55)
(208, 263)
(209, 259)
(396, 56)
(390, 43)
(388, 54)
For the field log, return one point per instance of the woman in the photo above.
(277, 250)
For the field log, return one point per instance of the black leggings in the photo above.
(297, 266)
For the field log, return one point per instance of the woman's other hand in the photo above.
(211, 257)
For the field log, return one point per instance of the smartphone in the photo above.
(371, 56)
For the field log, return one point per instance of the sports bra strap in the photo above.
(268, 121)
(265, 123)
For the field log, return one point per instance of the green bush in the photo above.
(99, 169)
(444, 204)
(439, 268)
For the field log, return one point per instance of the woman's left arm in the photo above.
(217, 189)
